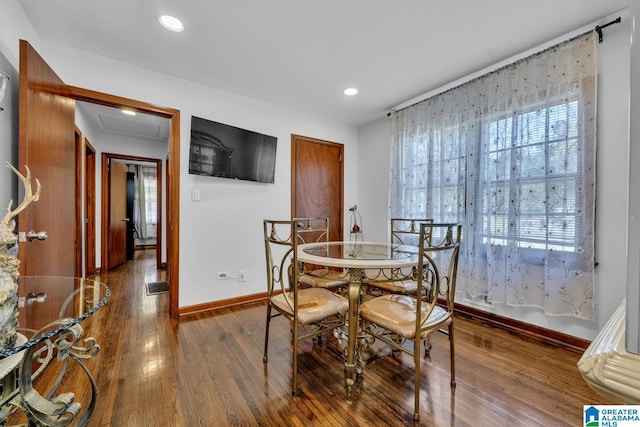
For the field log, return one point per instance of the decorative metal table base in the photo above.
(52, 409)
(385, 261)
(363, 352)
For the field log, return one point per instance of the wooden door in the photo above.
(131, 194)
(47, 146)
(117, 214)
(90, 208)
(317, 181)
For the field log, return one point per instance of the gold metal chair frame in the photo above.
(404, 231)
(418, 317)
(316, 230)
(311, 310)
(402, 228)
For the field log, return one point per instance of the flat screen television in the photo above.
(226, 151)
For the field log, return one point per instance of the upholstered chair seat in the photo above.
(324, 278)
(406, 287)
(404, 231)
(397, 313)
(314, 304)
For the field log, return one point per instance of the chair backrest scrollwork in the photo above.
(312, 230)
(406, 231)
(280, 250)
(281, 239)
(439, 251)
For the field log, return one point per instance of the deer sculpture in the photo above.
(9, 263)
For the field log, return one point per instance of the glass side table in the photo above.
(50, 312)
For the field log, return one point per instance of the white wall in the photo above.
(14, 26)
(223, 231)
(373, 178)
(632, 319)
(612, 187)
(8, 137)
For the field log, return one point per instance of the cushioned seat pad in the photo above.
(395, 286)
(397, 313)
(314, 304)
(322, 279)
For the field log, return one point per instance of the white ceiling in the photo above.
(113, 121)
(302, 54)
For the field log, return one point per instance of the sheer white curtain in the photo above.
(145, 201)
(511, 156)
(149, 200)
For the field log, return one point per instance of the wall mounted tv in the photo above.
(226, 151)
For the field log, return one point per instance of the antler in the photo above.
(28, 196)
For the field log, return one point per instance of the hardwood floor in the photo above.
(207, 370)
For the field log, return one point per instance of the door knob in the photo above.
(125, 219)
(41, 235)
(33, 297)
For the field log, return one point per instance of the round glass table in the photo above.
(50, 312)
(370, 260)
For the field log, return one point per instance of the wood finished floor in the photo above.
(207, 370)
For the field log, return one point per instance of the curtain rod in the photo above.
(600, 27)
(585, 28)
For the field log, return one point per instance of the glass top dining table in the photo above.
(359, 254)
(48, 305)
(50, 312)
(358, 258)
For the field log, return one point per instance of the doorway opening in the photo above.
(171, 233)
(132, 231)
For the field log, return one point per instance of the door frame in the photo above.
(79, 225)
(89, 207)
(173, 175)
(104, 246)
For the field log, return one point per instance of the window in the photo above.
(511, 156)
(150, 188)
(541, 146)
(145, 205)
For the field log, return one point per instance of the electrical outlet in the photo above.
(223, 275)
(241, 276)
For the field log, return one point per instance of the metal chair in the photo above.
(396, 318)
(312, 310)
(316, 230)
(404, 231)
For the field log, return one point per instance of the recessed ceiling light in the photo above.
(171, 23)
(351, 91)
(129, 112)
